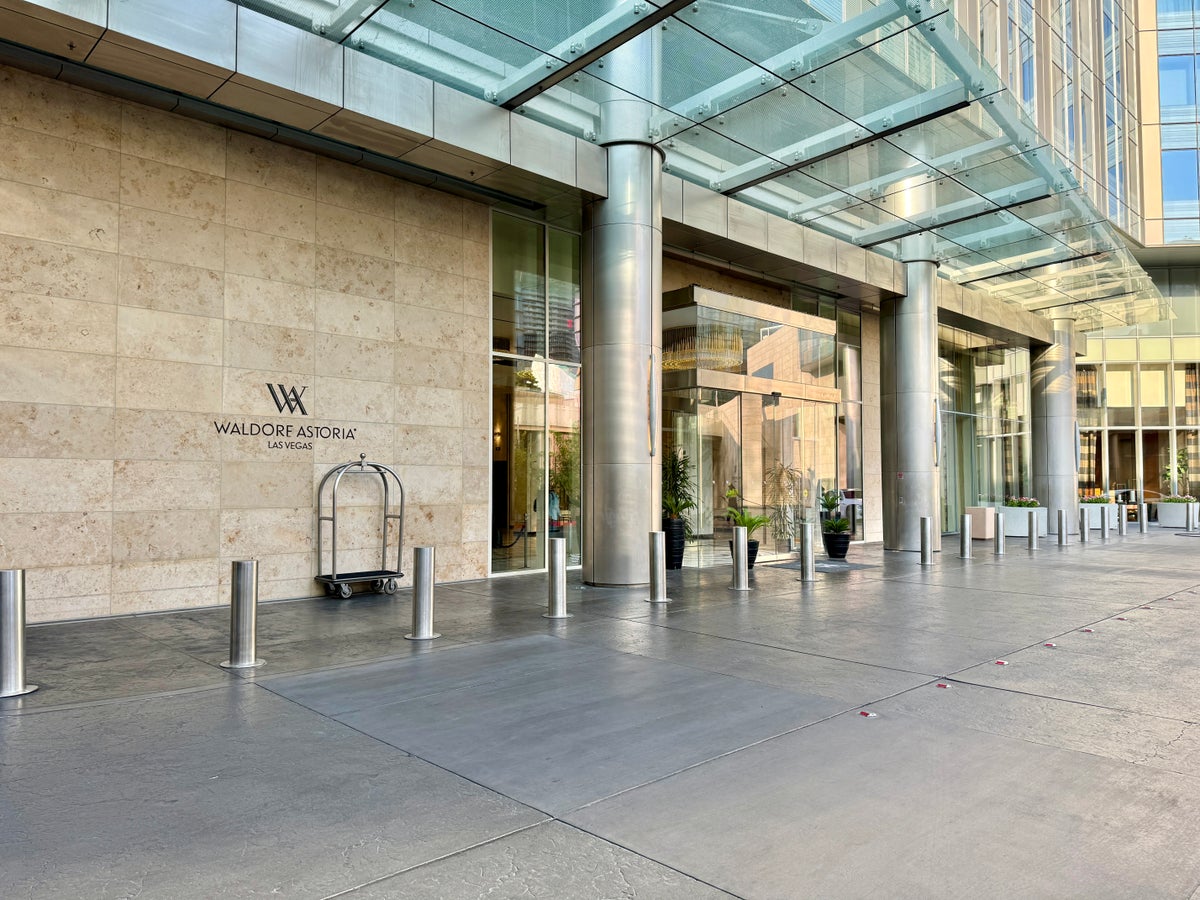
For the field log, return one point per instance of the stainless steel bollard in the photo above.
(808, 566)
(658, 568)
(1122, 519)
(1143, 518)
(12, 634)
(422, 600)
(1104, 524)
(1033, 529)
(556, 600)
(741, 573)
(243, 616)
(926, 540)
(964, 536)
(1085, 525)
(998, 537)
(1063, 532)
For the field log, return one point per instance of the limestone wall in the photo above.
(157, 276)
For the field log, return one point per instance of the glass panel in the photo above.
(565, 279)
(1188, 460)
(1122, 462)
(1119, 396)
(1091, 463)
(563, 507)
(519, 519)
(1120, 349)
(1155, 348)
(1153, 393)
(518, 287)
(1087, 395)
(1157, 465)
(1187, 348)
(1187, 393)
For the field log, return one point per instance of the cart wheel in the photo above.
(377, 585)
(344, 591)
(391, 586)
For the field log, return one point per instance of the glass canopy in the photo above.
(878, 123)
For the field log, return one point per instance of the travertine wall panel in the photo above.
(170, 290)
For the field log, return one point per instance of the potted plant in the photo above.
(782, 486)
(1099, 506)
(677, 499)
(1172, 510)
(1016, 516)
(742, 518)
(835, 535)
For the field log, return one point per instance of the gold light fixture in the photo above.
(708, 346)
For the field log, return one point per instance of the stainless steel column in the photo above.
(1104, 526)
(808, 566)
(243, 616)
(1033, 529)
(926, 540)
(1053, 423)
(1085, 525)
(556, 592)
(1143, 518)
(12, 634)
(998, 537)
(1122, 519)
(622, 328)
(1063, 528)
(422, 599)
(964, 536)
(658, 568)
(741, 573)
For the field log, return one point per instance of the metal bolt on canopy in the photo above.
(964, 536)
(556, 601)
(1033, 529)
(243, 616)
(926, 540)
(658, 568)
(741, 574)
(422, 601)
(12, 634)
(1062, 528)
(998, 537)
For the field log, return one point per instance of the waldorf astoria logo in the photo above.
(285, 435)
(288, 398)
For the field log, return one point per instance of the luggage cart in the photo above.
(339, 583)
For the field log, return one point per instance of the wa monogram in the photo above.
(288, 398)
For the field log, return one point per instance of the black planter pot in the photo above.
(675, 531)
(751, 552)
(836, 545)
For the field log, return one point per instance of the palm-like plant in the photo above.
(745, 519)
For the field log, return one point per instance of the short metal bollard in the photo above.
(1122, 519)
(1033, 529)
(926, 540)
(808, 565)
(556, 600)
(1063, 532)
(1104, 524)
(422, 600)
(243, 616)
(964, 536)
(12, 634)
(658, 568)
(1085, 525)
(998, 537)
(1143, 518)
(741, 572)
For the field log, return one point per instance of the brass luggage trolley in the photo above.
(339, 583)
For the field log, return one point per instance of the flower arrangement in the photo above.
(1097, 499)
(1177, 498)
(1022, 501)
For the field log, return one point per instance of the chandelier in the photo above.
(708, 346)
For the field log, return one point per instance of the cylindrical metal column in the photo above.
(12, 634)
(1085, 525)
(741, 573)
(1053, 424)
(243, 616)
(808, 566)
(964, 536)
(556, 592)
(658, 568)
(1033, 529)
(1063, 528)
(926, 540)
(422, 598)
(1143, 518)
(1122, 519)
(1104, 526)
(998, 538)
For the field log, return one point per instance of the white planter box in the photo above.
(1173, 515)
(1093, 514)
(1016, 520)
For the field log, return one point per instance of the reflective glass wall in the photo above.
(535, 393)
(986, 449)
